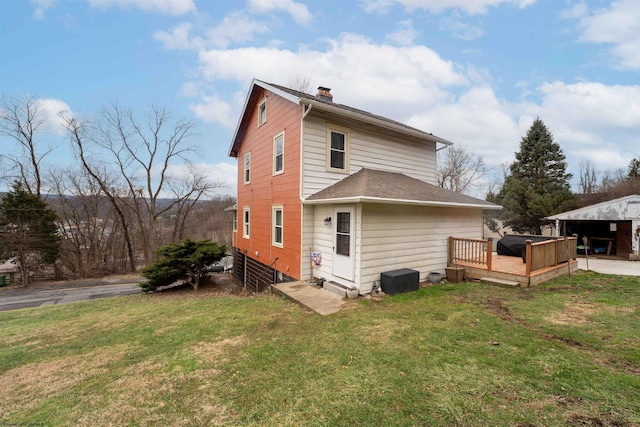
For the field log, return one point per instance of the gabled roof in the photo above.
(611, 210)
(317, 103)
(375, 186)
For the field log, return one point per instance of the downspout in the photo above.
(305, 113)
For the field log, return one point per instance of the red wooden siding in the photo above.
(266, 190)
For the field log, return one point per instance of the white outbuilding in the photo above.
(609, 228)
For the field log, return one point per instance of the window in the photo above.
(262, 112)
(247, 168)
(245, 223)
(235, 220)
(278, 225)
(278, 154)
(338, 149)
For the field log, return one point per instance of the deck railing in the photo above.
(474, 251)
(538, 255)
(550, 253)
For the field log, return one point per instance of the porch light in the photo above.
(327, 220)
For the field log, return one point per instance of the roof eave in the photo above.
(254, 83)
(367, 199)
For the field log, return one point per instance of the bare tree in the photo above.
(300, 83)
(78, 133)
(457, 170)
(21, 119)
(144, 157)
(588, 178)
(91, 238)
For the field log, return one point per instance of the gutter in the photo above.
(367, 199)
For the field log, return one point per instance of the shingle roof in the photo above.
(304, 95)
(369, 185)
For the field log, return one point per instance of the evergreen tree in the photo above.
(184, 261)
(28, 231)
(538, 183)
(634, 168)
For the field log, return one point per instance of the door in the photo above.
(344, 242)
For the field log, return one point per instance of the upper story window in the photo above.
(235, 220)
(337, 149)
(262, 112)
(246, 223)
(278, 225)
(278, 153)
(247, 168)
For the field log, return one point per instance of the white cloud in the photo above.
(477, 121)
(459, 28)
(212, 109)
(393, 79)
(179, 37)
(404, 36)
(165, 7)
(470, 7)
(53, 111)
(235, 28)
(617, 25)
(298, 11)
(41, 6)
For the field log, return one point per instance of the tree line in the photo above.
(134, 187)
(536, 184)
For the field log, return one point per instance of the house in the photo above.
(330, 192)
(609, 228)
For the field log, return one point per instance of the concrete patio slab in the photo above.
(610, 266)
(318, 300)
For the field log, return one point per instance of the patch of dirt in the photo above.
(586, 420)
(215, 284)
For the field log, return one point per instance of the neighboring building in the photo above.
(611, 228)
(331, 192)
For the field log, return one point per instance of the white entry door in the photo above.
(344, 242)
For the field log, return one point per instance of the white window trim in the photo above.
(246, 225)
(235, 220)
(244, 168)
(261, 105)
(275, 208)
(347, 144)
(275, 138)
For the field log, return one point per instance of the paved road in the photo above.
(15, 298)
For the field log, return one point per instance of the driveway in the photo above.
(610, 266)
(40, 295)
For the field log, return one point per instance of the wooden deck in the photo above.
(544, 260)
(513, 269)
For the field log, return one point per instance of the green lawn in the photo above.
(565, 353)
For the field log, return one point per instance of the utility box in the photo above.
(400, 281)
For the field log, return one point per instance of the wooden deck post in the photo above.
(450, 252)
(528, 256)
(489, 252)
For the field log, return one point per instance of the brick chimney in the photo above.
(324, 93)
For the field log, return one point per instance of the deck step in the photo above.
(500, 282)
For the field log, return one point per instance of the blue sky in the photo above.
(476, 72)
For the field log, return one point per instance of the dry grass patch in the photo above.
(575, 312)
(26, 386)
(217, 351)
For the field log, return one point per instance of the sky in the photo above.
(475, 72)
